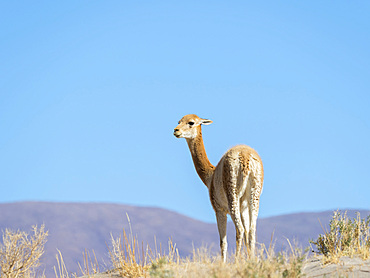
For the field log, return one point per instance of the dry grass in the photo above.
(345, 237)
(131, 259)
(202, 264)
(127, 256)
(90, 266)
(61, 269)
(89, 269)
(20, 253)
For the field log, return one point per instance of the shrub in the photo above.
(20, 253)
(346, 237)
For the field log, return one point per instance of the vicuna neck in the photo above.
(204, 168)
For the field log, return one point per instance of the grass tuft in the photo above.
(61, 269)
(127, 256)
(90, 265)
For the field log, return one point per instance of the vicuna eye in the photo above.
(191, 123)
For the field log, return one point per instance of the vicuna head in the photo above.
(190, 126)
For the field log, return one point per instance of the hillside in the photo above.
(74, 227)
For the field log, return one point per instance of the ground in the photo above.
(347, 267)
(313, 267)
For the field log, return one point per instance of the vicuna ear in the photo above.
(205, 122)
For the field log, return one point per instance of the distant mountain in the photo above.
(74, 227)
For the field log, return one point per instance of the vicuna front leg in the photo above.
(222, 224)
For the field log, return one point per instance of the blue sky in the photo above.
(90, 93)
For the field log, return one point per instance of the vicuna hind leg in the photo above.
(253, 214)
(236, 217)
(230, 183)
(246, 223)
(252, 230)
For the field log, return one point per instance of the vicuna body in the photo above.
(234, 185)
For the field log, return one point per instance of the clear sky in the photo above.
(90, 92)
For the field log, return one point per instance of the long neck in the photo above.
(204, 168)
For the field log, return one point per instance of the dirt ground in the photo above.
(347, 267)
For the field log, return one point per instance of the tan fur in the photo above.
(234, 185)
